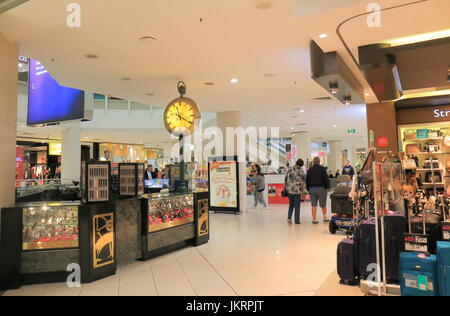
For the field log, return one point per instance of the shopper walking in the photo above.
(260, 187)
(318, 184)
(295, 187)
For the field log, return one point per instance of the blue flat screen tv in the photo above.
(49, 102)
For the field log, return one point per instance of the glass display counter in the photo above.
(52, 226)
(171, 221)
(42, 240)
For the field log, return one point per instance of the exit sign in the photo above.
(352, 131)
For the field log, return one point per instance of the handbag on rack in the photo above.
(437, 177)
(413, 149)
(431, 147)
(409, 164)
(410, 134)
(431, 162)
(434, 133)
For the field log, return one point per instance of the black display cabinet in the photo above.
(95, 181)
(131, 179)
(173, 221)
(41, 240)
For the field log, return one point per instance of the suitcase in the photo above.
(346, 262)
(365, 247)
(418, 274)
(433, 228)
(443, 257)
(394, 229)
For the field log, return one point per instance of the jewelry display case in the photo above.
(131, 179)
(171, 221)
(53, 226)
(169, 212)
(95, 181)
(46, 241)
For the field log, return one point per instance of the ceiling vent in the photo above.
(6, 5)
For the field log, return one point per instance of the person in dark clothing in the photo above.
(348, 169)
(150, 173)
(318, 184)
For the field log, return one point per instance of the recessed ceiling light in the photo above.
(367, 94)
(334, 126)
(234, 80)
(125, 79)
(324, 35)
(91, 56)
(302, 111)
(263, 4)
(148, 40)
(269, 75)
(209, 83)
(150, 94)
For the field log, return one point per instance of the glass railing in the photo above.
(47, 190)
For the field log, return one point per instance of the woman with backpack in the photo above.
(260, 187)
(295, 187)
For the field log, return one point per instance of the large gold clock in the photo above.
(181, 116)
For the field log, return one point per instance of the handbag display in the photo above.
(437, 177)
(431, 162)
(434, 133)
(410, 134)
(409, 164)
(431, 147)
(413, 149)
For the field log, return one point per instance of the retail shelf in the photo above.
(435, 169)
(423, 139)
(441, 183)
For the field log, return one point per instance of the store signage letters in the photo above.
(439, 113)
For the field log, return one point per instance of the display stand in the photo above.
(223, 187)
(388, 182)
(131, 179)
(172, 221)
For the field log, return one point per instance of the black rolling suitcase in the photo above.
(365, 247)
(394, 229)
(346, 267)
(433, 227)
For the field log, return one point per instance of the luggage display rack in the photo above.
(384, 195)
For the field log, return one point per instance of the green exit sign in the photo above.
(352, 131)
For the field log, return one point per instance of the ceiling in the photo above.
(202, 41)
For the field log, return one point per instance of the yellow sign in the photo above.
(54, 149)
(103, 240)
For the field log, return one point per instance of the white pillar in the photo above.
(335, 156)
(9, 56)
(71, 152)
(302, 142)
(235, 119)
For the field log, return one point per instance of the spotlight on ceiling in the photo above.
(324, 35)
(263, 4)
(234, 80)
(148, 40)
(334, 88)
(348, 100)
(91, 56)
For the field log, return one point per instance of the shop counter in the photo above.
(171, 221)
(40, 241)
(43, 240)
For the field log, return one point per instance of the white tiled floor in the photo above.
(256, 253)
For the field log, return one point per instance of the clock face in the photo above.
(181, 115)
